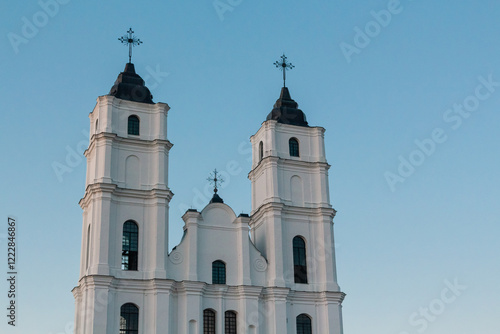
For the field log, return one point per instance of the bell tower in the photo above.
(125, 206)
(290, 194)
(292, 218)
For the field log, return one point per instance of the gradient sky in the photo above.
(397, 248)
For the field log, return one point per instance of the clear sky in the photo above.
(408, 91)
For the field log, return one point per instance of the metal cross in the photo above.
(283, 66)
(131, 41)
(215, 179)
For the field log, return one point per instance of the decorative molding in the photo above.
(260, 265)
(176, 257)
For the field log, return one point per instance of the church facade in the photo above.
(272, 271)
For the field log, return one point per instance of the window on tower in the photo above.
(133, 125)
(218, 272)
(261, 151)
(130, 245)
(230, 322)
(293, 145)
(299, 260)
(208, 322)
(129, 319)
(304, 324)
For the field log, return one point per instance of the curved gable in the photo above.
(218, 214)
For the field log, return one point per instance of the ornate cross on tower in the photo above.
(215, 179)
(283, 66)
(131, 41)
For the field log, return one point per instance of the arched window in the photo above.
(218, 272)
(299, 260)
(230, 322)
(130, 245)
(129, 319)
(304, 324)
(88, 247)
(261, 151)
(133, 125)
(96, 126)
(293, 145)
(208, 322)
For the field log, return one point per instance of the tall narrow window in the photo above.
(88, 247)
(304, 324)
(129, 319)
(133, 125)
(96, 126)
(218, 272)
(261, 151)
(208, 322)
(230, 322)
(130, 245)
(293, 145)
(299, 260)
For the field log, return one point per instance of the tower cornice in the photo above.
(308, 296)
(249, 291)
(270, 161)
(300, 130)
(133, 106)
(137, 142)
(291, 210)
(333, 296)
(192, 287)
(101, 189)
(276, 293)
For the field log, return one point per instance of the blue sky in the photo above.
(400, 243)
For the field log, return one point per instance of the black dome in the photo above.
(130, 86)
(216, 199)
(286, 110)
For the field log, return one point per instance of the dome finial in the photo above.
(216, 180)
(130, 40)
(284, 66)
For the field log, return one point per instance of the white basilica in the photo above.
(272, 271)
